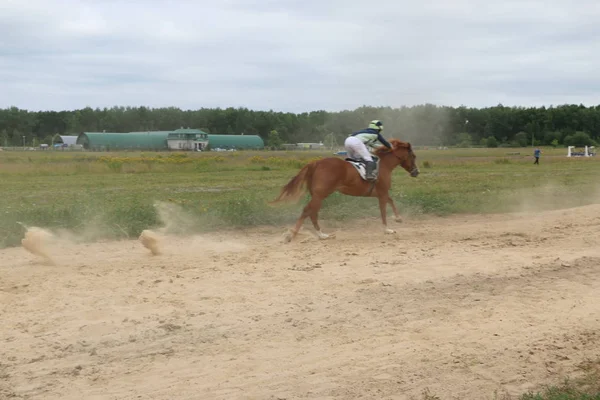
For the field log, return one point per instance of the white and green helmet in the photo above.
(376, 124)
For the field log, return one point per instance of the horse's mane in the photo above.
(396, 144)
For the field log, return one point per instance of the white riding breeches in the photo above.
(357, 149)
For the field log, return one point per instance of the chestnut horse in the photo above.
(331, 174)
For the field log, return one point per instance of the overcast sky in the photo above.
(298, 55)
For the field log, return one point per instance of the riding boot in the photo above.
(369, 170)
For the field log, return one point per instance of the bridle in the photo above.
(415, 170)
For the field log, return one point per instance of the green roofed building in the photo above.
(239, 142)
(179, 139)
(107, 141)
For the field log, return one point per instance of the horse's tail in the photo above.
(297, 186)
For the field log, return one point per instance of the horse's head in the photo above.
(404, 154)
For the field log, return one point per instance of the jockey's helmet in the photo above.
(376, 124)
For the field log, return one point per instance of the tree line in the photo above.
(426, 124)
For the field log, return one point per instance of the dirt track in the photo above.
(463, 306)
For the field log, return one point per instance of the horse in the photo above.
(325, 176)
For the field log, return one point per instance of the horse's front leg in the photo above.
(383, 201)
(396, 215)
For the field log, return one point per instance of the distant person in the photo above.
(536, 154)
(356, 145)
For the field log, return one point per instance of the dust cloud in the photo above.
(36, 242)
(174, 220)
(151, 241)
(52, 245)
(424, 125)
(178, 234)
(553, 196)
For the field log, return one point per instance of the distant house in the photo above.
(310, 146)
(303, 146)
(69, 140)
(187, 139)
(65, 142)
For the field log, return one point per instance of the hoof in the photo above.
(322, 235)
(389, 231)
(287, 237)
(399, 220)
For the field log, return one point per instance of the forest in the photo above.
(422, 125)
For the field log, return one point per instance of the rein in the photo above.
(413, 171)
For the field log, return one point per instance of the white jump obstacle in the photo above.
(588, 152)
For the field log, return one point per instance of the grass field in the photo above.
(113, 195)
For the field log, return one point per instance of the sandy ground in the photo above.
(462, 306)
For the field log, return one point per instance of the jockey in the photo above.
(356, 145)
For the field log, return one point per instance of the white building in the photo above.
(187, 139)
(310, 146)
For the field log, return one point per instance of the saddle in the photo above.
(361, 167)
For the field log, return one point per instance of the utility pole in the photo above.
(332, 141)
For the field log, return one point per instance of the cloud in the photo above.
(297, 55)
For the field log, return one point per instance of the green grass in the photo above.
(584, 387)
(114, 194)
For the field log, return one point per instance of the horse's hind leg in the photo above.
(310, 210)
(305, 213)
(397, 216)
(315, 206)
